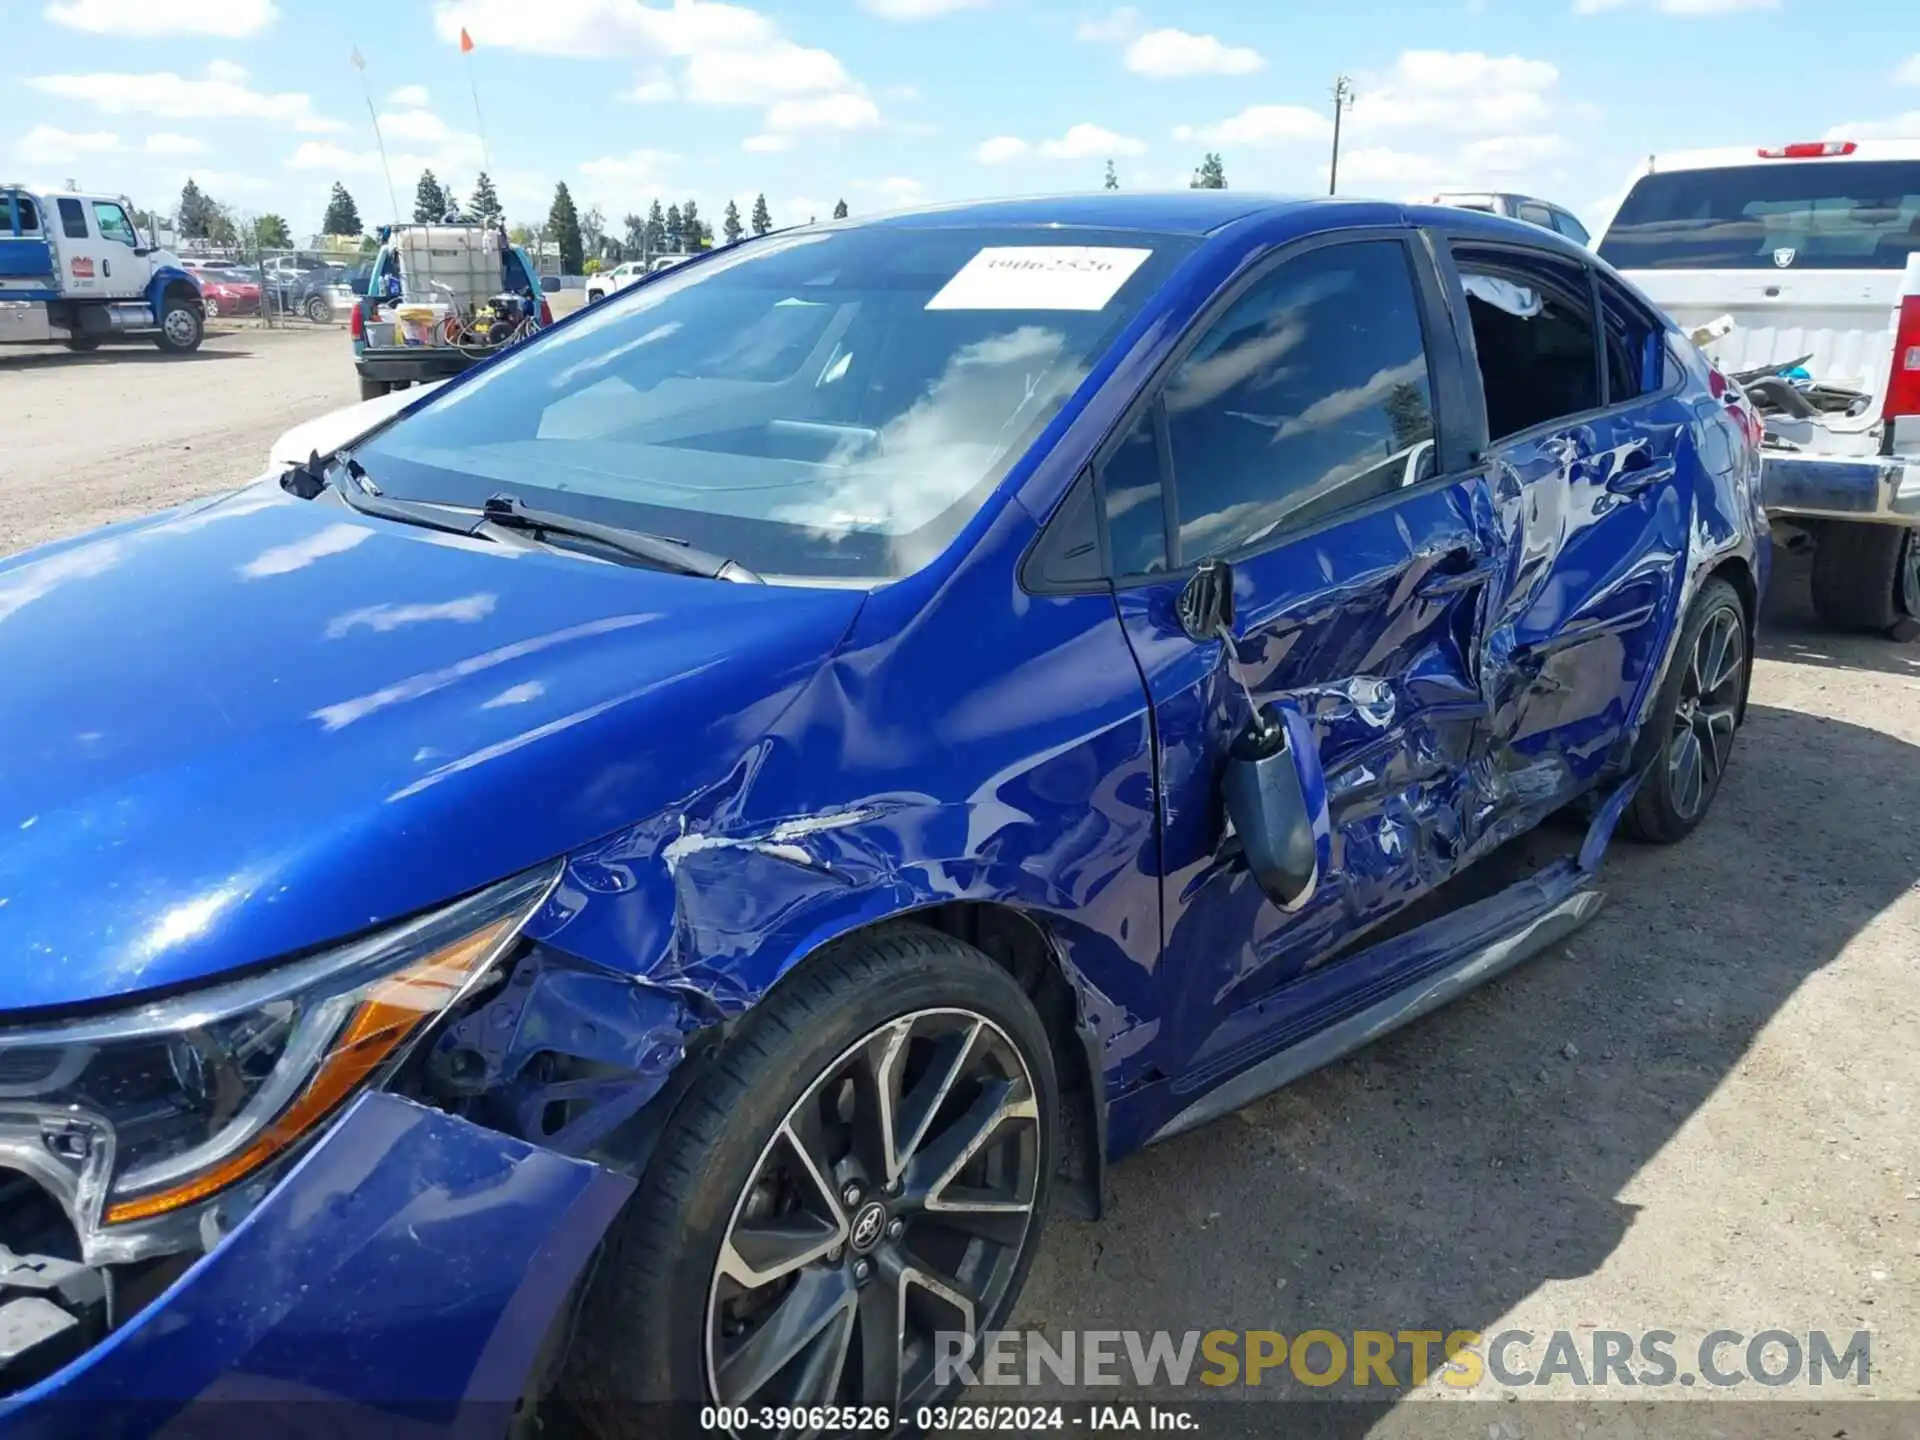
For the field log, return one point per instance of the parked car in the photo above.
(1533, 211)
(226, 288)
(686, 842)
(322, 294)
(604, 284)
(1799, 266)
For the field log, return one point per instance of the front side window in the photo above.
(73, 220)
(1533, 337)
(1310, 394)
(829, 406)
(113, 223)
(1571, 228)
(26, 215)
(1535, 213)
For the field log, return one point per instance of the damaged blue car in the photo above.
(650, 873)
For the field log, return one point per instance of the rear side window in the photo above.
(1533, 336)
(26, 215)
(1309, 395)
(1636, 348)
(1570, 227)
(1535, 214)
(73, 220)
(1784, 214)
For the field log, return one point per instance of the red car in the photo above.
(225, 289)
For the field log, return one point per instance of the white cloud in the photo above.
(654, 90)
(1000, 149)
(1116, 27)
(1171, 54)
(409, 97)
(222, 95)
(1675, 7)
(920, 9)
(1512, 154)
(599, 28)
(46, 145)
(227, 19)
(414, 127)
(1897, 127)
(839, 113)
(1261, 127)
(648, 167)
(749, 77)
(1087, 142)
(1908, 73)
(896, 192)
(1462, 91)
(766, 144)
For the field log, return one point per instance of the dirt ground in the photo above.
(1701, 1113)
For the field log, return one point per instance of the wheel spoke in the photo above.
(1715, 726)
(919, 1109)
(755, 1255)
(933, 1169)
(883, 1334)
(812, 1165)
(876, 1108)
(808, 1314)
(1724, 664)
(1684, 769)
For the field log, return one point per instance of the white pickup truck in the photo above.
(74, 270)
(1798, 268)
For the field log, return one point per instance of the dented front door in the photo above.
(1295, 441)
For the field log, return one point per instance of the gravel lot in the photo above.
(1701, 1113)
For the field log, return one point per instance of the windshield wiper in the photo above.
(360, 493)
(662, 551)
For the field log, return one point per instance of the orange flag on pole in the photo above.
(466, 40)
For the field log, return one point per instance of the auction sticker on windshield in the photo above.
(1039, 277)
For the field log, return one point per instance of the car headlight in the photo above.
(147, 1112)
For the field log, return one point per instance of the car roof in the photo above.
(1728, 156)
(1173, 212)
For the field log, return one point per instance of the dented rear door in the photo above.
(1303, 439)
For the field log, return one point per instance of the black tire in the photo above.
(319, 311)
(182, 327)
(1666, 807)
(642, 1334)
(1867, 577)
(84, 343)
(372, 389)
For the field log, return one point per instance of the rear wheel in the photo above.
(319, 311)
(372, 389)
(1696, 718)
(83, 343)
(181, 328)
(864, 1169)
(1867, 577)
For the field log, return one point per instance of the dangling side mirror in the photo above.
(1205, 606)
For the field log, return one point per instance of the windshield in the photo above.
(829, 405)
(1786, 214)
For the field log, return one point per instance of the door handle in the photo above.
(106, 267)
(1638, 472)
(1455, 573)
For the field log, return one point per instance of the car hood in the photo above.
(327, 433)
(241, 730)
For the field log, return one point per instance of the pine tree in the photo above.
(485, 203)
(635, 237)
(343, 216)
(1113, 180)
(1211, 175)
(564, 223)
(840, 209)
(198, 215)
(656, 230)
(676, 231)
(693, 229)
(429, 200)
(760, 220)
(730, 225)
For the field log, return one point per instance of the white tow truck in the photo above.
(74, 270)
(1797, 269)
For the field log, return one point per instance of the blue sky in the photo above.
(889, 102)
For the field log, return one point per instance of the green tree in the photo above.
(1112, 180)
(730, 225)
(676, 231)
(270, 232)
(430, 202)
(343, 216)
(197, 213)
(1410, 416)
(636, 236)
(760, 220)
(563, 221)
(699, 235)
(1211, 175)
(485, 203)
(656, 230)
(840, 209)
(593, 232)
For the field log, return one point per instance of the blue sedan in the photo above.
(647, 876)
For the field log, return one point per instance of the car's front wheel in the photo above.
(851, 1192)
(1695, 719)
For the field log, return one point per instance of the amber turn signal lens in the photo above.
(394, 1008)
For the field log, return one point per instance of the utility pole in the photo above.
(1342, 102)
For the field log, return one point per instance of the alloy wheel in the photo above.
(1707, 714)
(210, 308)
(178, 325)
(891, 1206)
